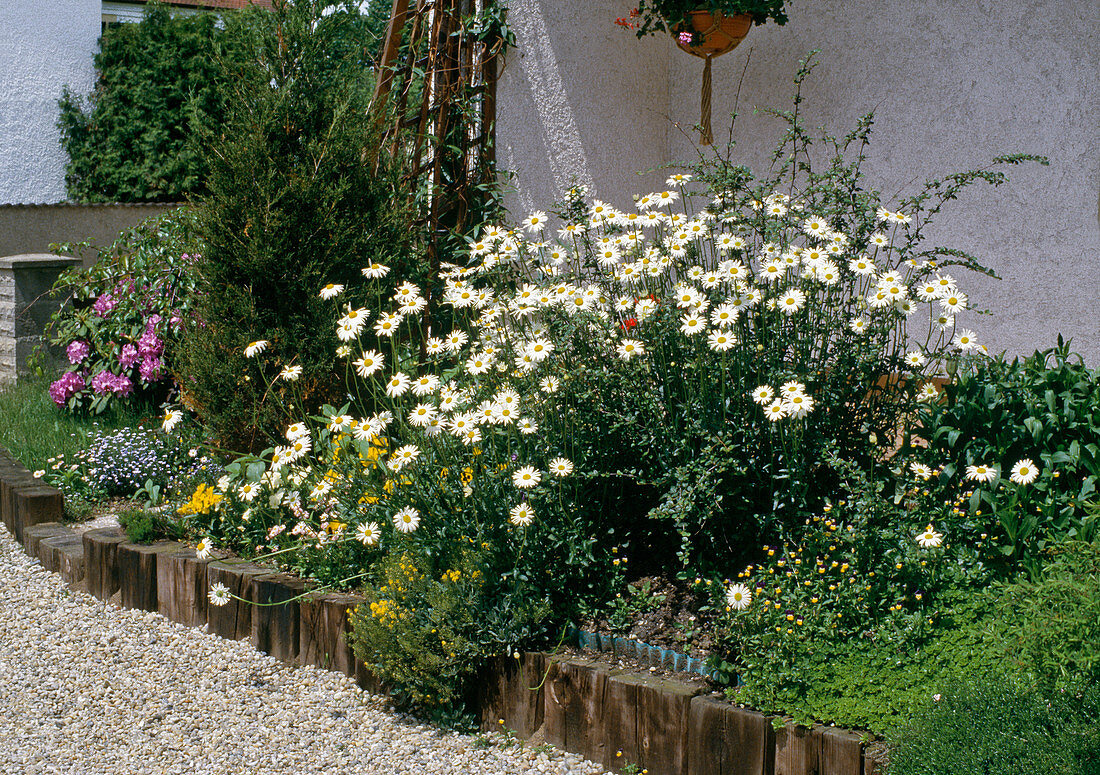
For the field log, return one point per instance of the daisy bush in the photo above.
(124, 315)
(671, 379)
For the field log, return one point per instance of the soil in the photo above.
(661, 612)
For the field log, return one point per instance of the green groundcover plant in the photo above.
(992, 722)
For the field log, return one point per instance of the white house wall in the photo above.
(952, 84)
(44, 46)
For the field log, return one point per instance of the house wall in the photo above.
(951, 84)
(44, 45)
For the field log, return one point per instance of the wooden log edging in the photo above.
(611, 716)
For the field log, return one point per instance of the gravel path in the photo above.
(90, 688)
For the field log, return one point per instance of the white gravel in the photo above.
(89, 688)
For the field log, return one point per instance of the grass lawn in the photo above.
(33, 429)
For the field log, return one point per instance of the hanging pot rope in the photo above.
(707, 135)
(712, 35)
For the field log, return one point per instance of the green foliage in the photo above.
(1044, 408)
(121, 318)
(854, 621)
(144, 527)
(294, 203)
(137, 136)
(430, 623)
(1054, 622)
(672, 15)
(993, 723)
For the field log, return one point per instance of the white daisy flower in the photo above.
(928, 392)
(397, 385)
(561, 466)
(375, 271)
(738, 597)
(171, 419)
(965, 340)
(792, 301)
(1024, 472)
(219, 594)
(403, 456)
(693, 324)
(331, 291)
(628, 348)
(929, 539)
(407, 519)
(920, 470)
(526, 477)
(204, 548)
(953, 302)
(290, 373)
(776, 410)
(521, 515)
(981, 473)
(255, 348)
(368, 533)
(549, 385)
(370, 362)
(763, 395)
(720, 341)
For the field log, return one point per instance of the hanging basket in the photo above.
(712, 34)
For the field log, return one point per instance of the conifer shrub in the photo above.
(135, 138)
(296, 202)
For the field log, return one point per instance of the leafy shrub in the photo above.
(429, 623)
(294, 203)
(994, 723)
(125, 314)
(144, 527)
(136, 138)
(1044, 411)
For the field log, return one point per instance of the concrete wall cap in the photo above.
(37, 261)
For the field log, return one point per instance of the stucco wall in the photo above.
(580, 99)
(44, 45)
(952, 85)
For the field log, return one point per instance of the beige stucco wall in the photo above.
(45, 45)
(952, 84)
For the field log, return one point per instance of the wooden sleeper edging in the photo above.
(582, 705)
(101, 561)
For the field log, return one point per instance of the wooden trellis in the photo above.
(436, 100)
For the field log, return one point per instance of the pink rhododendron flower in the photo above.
(77, 351)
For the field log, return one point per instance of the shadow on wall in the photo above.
(580, 101)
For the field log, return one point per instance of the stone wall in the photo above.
(952, 85)
(25, 306)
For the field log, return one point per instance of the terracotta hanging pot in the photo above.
(712, 34)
